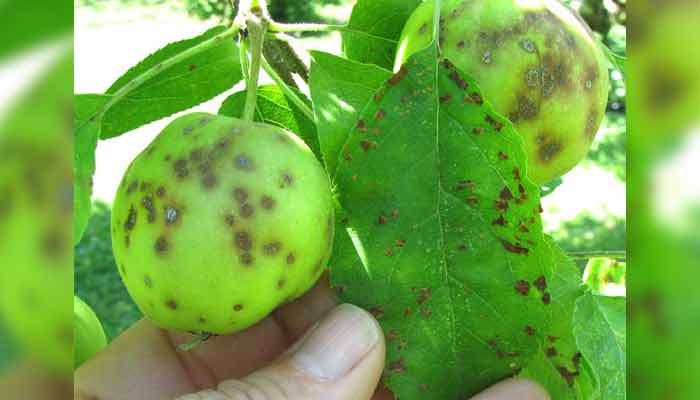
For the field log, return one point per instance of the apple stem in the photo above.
(257, 28)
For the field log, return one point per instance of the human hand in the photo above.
(309, 349)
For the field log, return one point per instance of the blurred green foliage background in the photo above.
(97, 280)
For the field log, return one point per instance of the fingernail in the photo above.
(337, 344)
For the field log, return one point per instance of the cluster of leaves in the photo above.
(439, 233)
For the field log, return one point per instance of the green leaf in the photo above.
(28, 24)
(374, 29)
(86, 132)
(600, 330)
(559, 365)
(276, 109)
(140, 99)
(340, 89)
(442, 241)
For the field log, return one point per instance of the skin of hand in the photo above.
(310, 349)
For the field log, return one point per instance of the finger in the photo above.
(144, 362)
(511, 389)
(341, 358)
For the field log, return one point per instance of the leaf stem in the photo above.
(304, 27)
(585, 255)
(256, 34)
(287, 90)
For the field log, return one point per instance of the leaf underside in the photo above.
(440, 238)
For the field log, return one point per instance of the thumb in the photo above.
(340, 358)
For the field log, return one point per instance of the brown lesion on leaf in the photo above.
(465, 185)
(522, 286)
(397, 366)
(445, 98)
(474, 98)
(551, 352)
(514, 248)
(367, 145)
(569, 376)
(361, 126)
(529, 330)
(500, 221)
(546, 299)
(423, 295)
(540, 283)
(380, 114)
(377, 311)
(494, 122)
(399, 76)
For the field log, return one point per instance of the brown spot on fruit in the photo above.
(130, 219)
(524, 110)
(243, 162)
(132, 187)
(240, 194)
(280, 283)
(591, 125)
(246, 259)
(162, 245)
(180, 168)
(267, 202)
(272, 249)
(147, 281)
(547, 148)
(291, 258)
(209, 181)
(238, 307)
(230, 219)
(243, 240)
(286, 179)
(171, 215)
(160, 192)
(171, 304)
(522, 287)
(196, 154)
(247, 210)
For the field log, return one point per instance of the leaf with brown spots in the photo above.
(450, 186)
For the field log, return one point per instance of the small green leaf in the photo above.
(601, 334)
(195, 79)
(86, 132)
(441, 239)
(340, 89)
(374, 29)
(276, 109)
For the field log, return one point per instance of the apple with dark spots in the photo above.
(536, 62)
(219, 221)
